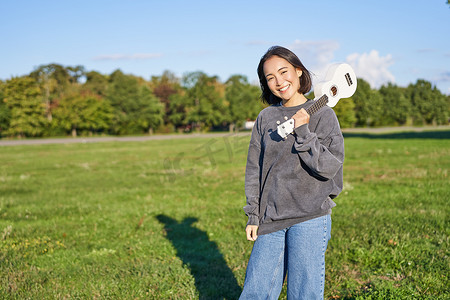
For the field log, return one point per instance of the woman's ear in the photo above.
(299, 72)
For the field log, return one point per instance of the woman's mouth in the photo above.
(283, 89)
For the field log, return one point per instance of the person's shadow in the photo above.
(213, 277)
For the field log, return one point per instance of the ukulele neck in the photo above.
(318, 104)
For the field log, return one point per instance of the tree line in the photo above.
(55, 100)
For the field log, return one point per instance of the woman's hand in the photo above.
(251, 231)
(301, 117)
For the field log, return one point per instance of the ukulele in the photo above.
(340, 82)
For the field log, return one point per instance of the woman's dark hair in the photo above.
(305, 78)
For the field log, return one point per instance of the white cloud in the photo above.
(315, 55)
(372, 67)
(136, 56)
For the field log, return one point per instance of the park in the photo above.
(163, 218)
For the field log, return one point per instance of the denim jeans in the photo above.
(299, 252)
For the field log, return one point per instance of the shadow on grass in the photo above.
(438, 134)
(213, 277)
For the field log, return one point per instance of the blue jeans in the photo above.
(298, 251)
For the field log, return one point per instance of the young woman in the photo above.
(290, 184)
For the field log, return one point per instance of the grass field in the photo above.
(164, 219)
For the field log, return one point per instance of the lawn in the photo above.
(163, 219)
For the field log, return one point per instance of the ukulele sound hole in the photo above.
(334, 90)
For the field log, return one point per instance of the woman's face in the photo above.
(282, 78)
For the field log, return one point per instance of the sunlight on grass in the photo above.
(164, 220)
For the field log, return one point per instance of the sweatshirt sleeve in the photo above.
(252, 174)
(323, 150)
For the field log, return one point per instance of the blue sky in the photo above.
(395, 41)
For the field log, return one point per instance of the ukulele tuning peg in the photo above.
(278, 122)
(285, 118)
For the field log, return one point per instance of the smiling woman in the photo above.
(290, 184)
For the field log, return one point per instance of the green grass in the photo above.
(164, 219)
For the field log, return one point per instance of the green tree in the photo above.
(345, 111)
(123, 95)
(151, 113)
(429, 105)
(163, 88)
(54, 71)
(85, 113)
(206, 106)
(243, 101)
(76, 73)
(136, 109)
(54, 80)
(178, 107)
(368, 105)
(397, 105)
(23, 98)
(96, 83)
(5, 113)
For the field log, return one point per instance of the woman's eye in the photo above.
(269, 79)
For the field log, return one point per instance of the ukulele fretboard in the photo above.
(318, 104)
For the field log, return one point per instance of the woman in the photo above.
(290, 184)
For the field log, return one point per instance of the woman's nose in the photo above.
(278, 80)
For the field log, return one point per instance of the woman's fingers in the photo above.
(252, 232)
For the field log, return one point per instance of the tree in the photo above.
(5, 113)
(56, 81)
(23, 98)
(206, 107)
(163, 88)
(243, 101)
(345, 112)
(136, 109)
(88, 113)
(151, 112)
(368, 105)
(75, 73)
(178, 107)
(53, 71)
(429, 105)
(397, 106)
(122, 93)
(96, 83)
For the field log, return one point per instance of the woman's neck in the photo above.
(297, 100)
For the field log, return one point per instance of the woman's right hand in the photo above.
(301, 117)
(252, 232)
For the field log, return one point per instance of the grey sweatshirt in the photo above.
(293, 180)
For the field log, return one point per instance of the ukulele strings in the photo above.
(318, 104)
